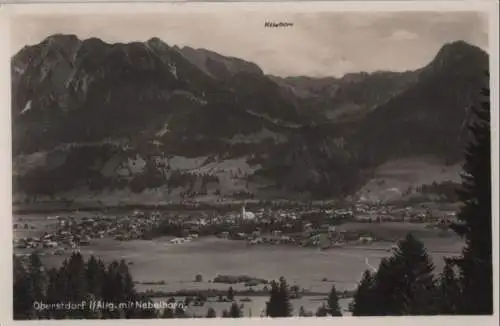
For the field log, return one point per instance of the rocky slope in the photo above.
(91, 119)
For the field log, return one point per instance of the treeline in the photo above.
(279, 304)
(154, 177)
(405, 284)
(78, 281)
(74, 282)
(79, 170)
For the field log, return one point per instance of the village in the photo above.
(321, 228)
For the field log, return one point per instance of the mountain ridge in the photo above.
(85, 111)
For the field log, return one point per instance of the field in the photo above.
(254, 308)
(393, 178)
(177, 264)
(311, 269)
(393, 231)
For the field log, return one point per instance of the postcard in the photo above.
(259, 161)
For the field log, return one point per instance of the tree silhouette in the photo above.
(279, 301)
(23, 295)
(363, 301)
(37, 277)
(75, 281)
(333, 303)
(384, 290)
(414, 277)
(274, 297)
(322, 311)
(168, 313)
(475, 224)
(95, 271)
(230, 293)
(403, 285)
(448, 291)
(235, 311)
(211, 313)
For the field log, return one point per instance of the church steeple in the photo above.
(243, 212)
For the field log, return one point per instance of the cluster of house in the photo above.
(189, 238)
(289, 226)
(392, 213)
(70, 232)
(322, 235)
(322, 238)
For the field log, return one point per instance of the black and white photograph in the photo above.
(252, 162)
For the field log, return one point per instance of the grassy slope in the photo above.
(393, 178)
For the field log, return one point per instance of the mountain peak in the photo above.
(61, 39)
(458, 44)
(217, 65)
(458, 52)
(157, 43)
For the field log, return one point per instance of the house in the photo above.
(50, 244)
(365, 239)
(276, 233)
(256, 241)
(366, 217)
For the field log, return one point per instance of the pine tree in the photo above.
(211, 313)
(286, 309)
(475, 224)
(333, 303)
(322, 311)
(75, 278)
(112, 290)
(448, 291)
(235, 311)
(384, 290)
(37, 277)
(414, 277)
(279, 301)
(272, 306)
(168, 313)
(180, 312)
(363, 301)
(22, 292)
(127, 282)
(95, 272)
(150, 313)
(230, 294)
(55, 292)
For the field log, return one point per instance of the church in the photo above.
(244, 215)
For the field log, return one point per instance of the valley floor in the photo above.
(158, 265)
(162, 266)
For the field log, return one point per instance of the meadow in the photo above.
(178, 264)
(159, 265)
(255, 307)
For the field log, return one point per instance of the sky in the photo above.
(317, 45)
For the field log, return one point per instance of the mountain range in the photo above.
(150, 123)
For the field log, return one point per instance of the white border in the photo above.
(285, 6)
(489, 7)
